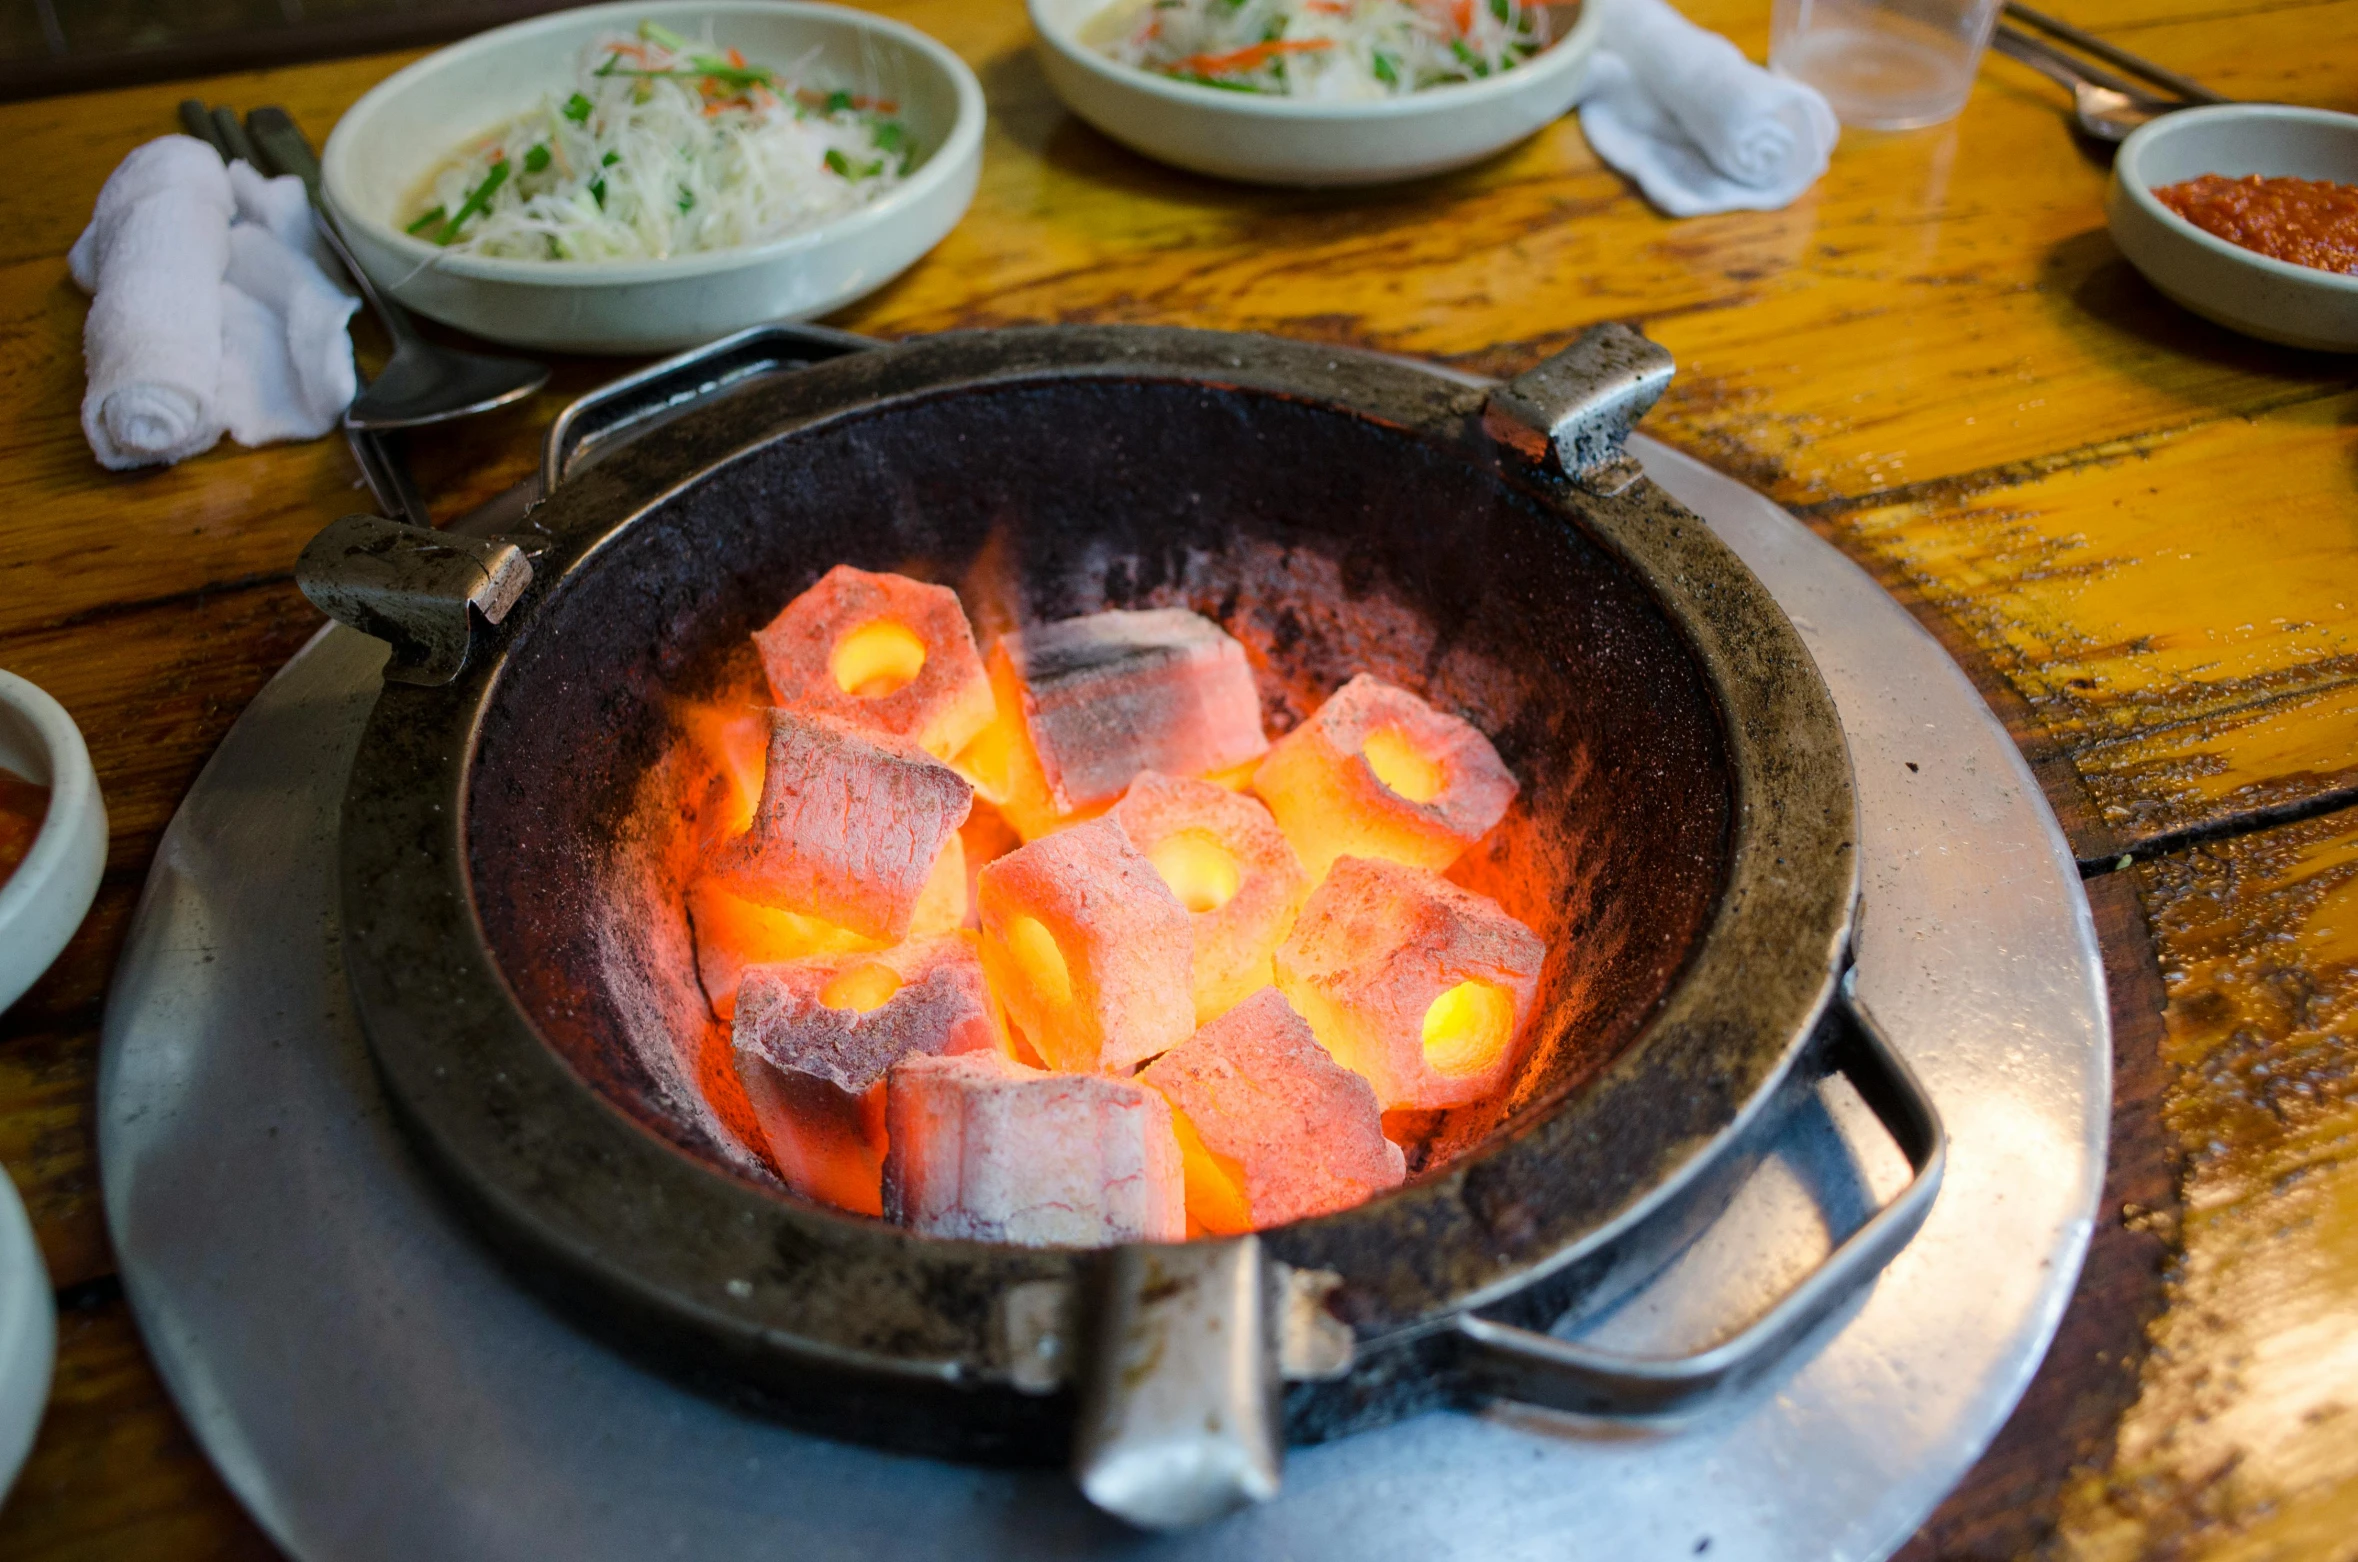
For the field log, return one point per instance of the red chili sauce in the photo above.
(2310, 222)
(22, 808)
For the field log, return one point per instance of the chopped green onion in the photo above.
(577, 109)
(849, 169)
(610, 159)
(428, 220)
(687, 198)
(890, 137)
(731, 75)
(1386, 71)
(536, 159)
(477, 199)
(1214, 81)
(1498, 8)
(656, 32)
(598, 192)
(1471, 60)
(839, 102)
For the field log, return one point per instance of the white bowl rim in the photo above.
(1558, 57)
(73, 790)
(2140, 192)
(961, 146)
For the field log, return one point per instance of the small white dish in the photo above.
(28, 1334)
(2241, 289)
(50, 892)
(1264, 139)
(387, 143)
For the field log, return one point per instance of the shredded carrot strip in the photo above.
(1465, 16)
(1251, 58)
(1327, 7)
(736, 59)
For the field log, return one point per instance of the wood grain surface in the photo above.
(2139, 531)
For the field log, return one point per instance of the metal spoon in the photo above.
(422, 382)
(2106, 106)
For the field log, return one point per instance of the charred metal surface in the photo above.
(426, 593)
(1684, 837)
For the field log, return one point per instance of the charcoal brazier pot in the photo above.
(1685, 839)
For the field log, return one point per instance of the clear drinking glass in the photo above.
(1884, 64)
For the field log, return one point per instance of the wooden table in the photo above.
(2139, 531)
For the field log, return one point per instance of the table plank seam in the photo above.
(2269, 817)
(1975, 482)
(209, 591)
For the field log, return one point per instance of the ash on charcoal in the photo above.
(1377, 772)
(1090, 953)
(850, 828)
(1281, 1131)
(1085, 704)
(983, 1148)
(847, 1019)
(1227, 862)
(1421, 986)
(881, 652)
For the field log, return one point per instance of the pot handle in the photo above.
(432, 596)
(1503, 1361)
(1179, 1421)
(1571, 414)
(622, 407)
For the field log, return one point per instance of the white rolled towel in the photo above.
(1699, 127)
(212, 310)
(286, 359)
(284, 207)
(153, 255)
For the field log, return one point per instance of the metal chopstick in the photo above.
(197, 120)
(2168, 80)
(2056, 65)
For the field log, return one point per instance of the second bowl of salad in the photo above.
(1316, 92)
(642, 177)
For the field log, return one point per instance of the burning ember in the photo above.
(1005, 949)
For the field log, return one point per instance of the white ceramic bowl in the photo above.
(2241, 289)
(1291, 141)
(388, 142)
(28, 1334)
(50, 892)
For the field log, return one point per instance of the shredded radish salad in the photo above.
(663, 147)
(1333, 49)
